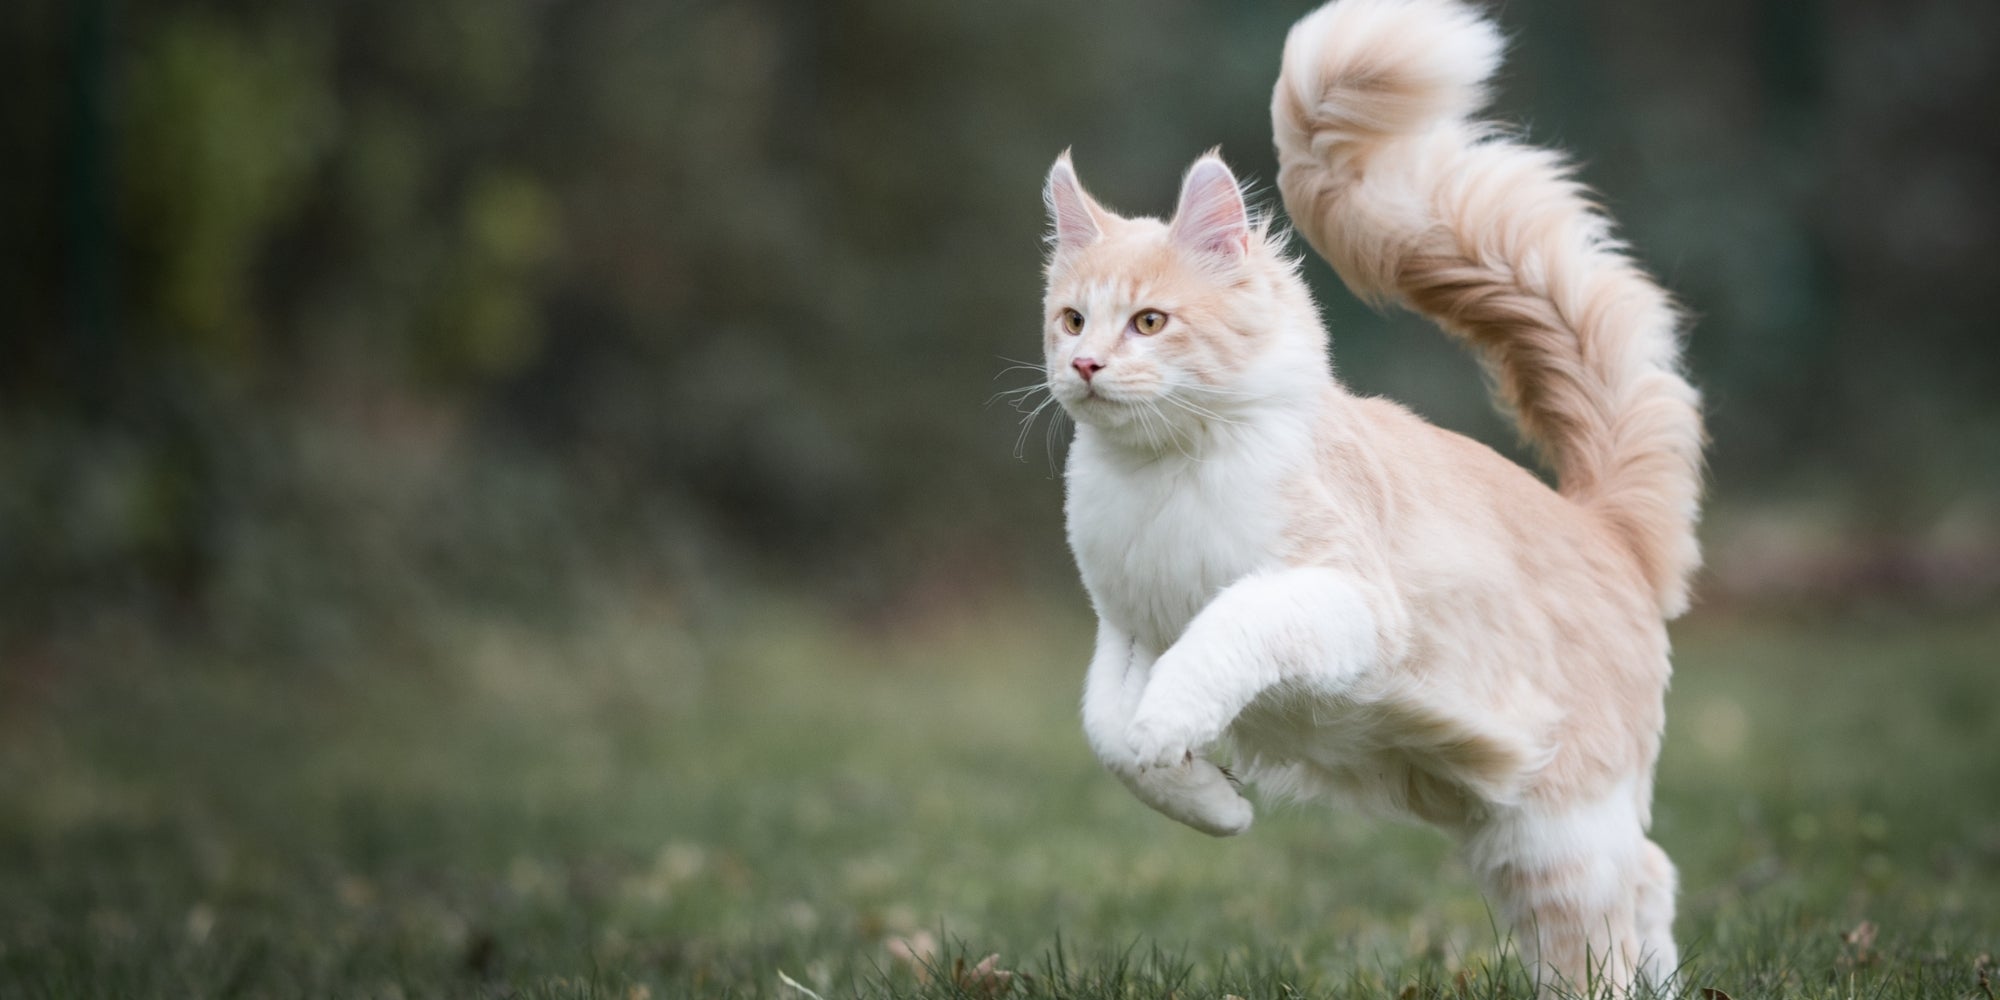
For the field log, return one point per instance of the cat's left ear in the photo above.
(1075, 220)
(1211, 217)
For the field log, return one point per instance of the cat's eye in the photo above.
(1150, 322)
(1072, 321)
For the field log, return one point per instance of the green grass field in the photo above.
(629, 807)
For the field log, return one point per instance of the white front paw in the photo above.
(1199, 794)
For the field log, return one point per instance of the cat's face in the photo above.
(1152, 327)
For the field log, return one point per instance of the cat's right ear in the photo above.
(1075, 221)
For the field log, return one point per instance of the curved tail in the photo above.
(1411, 201)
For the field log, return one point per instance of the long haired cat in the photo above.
(1365, 604)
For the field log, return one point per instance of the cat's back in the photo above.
(1454, 507)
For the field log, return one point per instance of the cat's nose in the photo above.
(1087, 367)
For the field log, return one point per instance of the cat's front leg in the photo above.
(1309, 627)
(1111, 691)
(1197, 792)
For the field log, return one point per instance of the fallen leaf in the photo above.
(917, 953)
(986, 979)
(1860, 944)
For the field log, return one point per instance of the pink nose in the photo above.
(1087, 367)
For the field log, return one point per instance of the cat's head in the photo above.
(1153, 328)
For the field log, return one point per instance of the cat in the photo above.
(1361, 603)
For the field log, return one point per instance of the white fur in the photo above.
(1157, 536)
(1307, 630)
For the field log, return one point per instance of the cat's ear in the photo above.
(1211, 217)
(1075, 221)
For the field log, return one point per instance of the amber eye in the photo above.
(1072, 321)
(1150, 322)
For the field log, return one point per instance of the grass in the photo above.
(634, 806)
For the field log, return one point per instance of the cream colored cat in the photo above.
(1365, 604)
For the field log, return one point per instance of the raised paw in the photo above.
(1199, 795)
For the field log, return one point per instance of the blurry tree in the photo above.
(347, 301)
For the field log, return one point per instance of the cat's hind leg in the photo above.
(1659, 959)
(1588, 897)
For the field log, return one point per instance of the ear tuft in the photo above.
(1211, 217)
(1073, 216)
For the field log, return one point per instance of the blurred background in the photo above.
(511, 490)
(325, 318)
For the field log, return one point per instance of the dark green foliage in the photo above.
(751, 268)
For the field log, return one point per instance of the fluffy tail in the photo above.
(1410, 201)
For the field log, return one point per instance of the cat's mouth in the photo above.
(1103, 397)
(1103, 406)
(1101, 392)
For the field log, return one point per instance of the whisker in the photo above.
(1027, 424)
(1218, 376)
(1178, 446)
(1201, 411)
(1212, 390)
(1049, 438)
(1166, 423)
(1021, 405)
(1159, 434)
(1145, 425)
(1021, 391)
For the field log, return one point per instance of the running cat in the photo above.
(1366, 605)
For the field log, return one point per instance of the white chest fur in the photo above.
(1156, 537)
